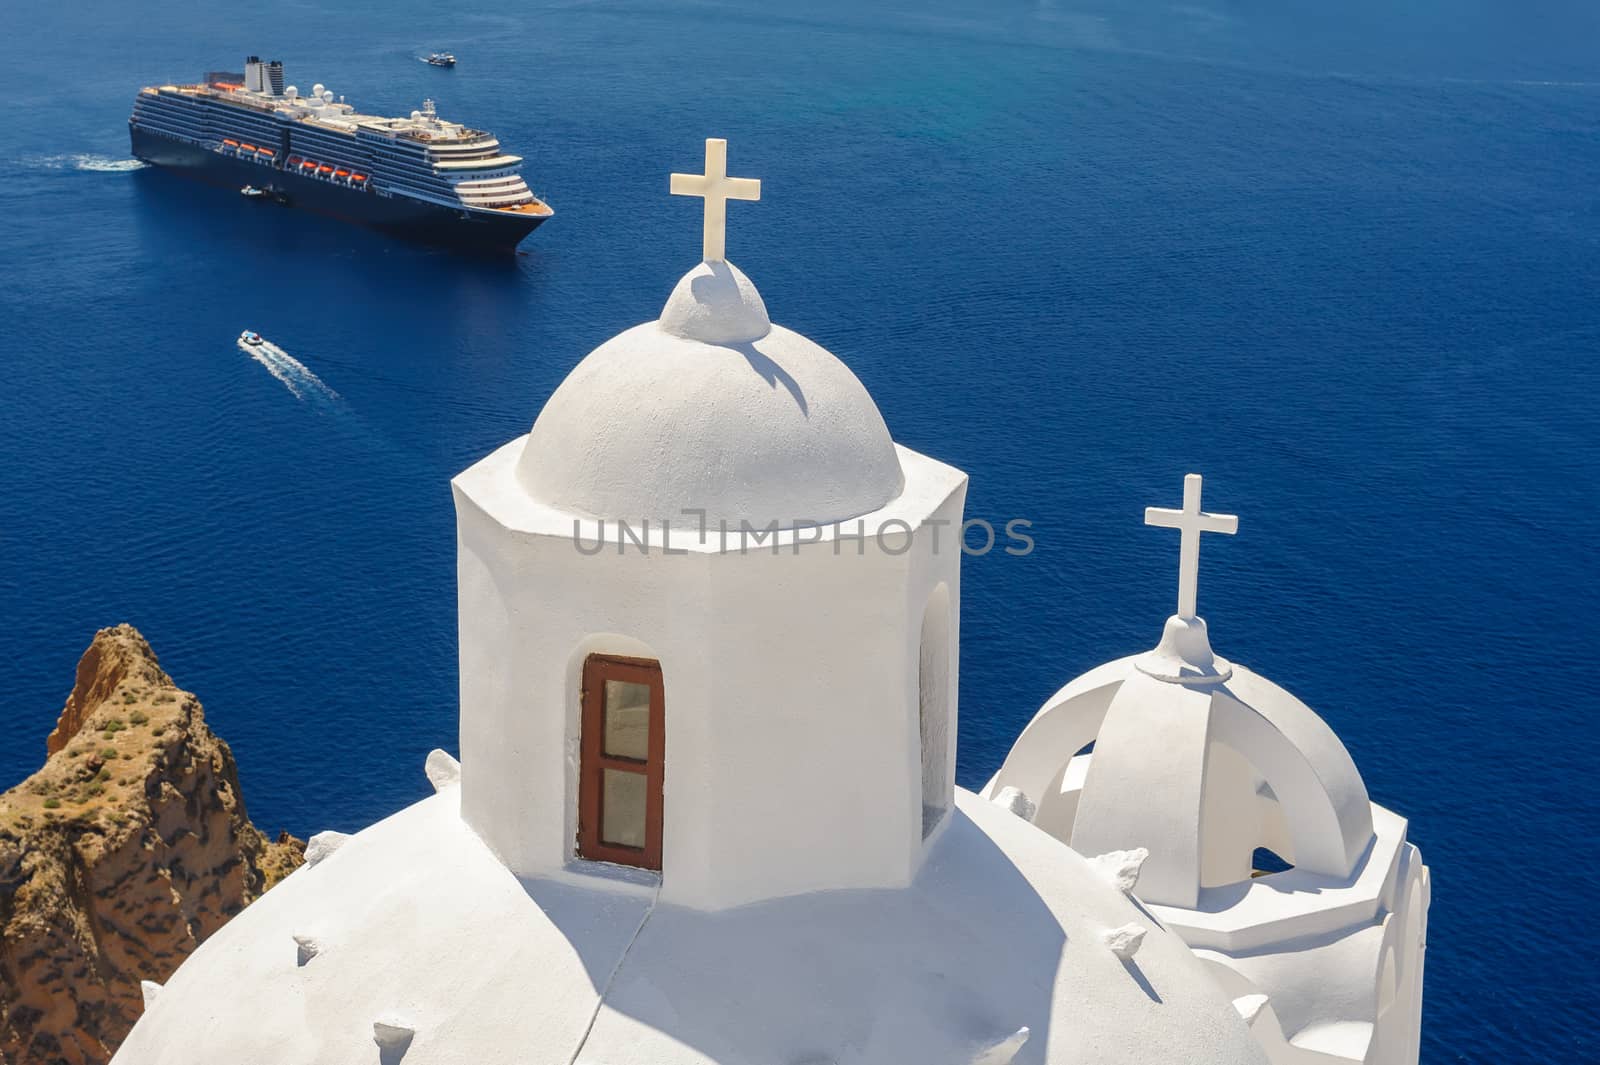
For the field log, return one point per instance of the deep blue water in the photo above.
(1341, 260)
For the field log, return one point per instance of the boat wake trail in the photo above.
(295, 375)
(96, 163)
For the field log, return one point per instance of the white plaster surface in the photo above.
(323, 845)
(1201, 761)
(1249, 1006)
(1125, 941)
(1005, 1051)
(1147, 781)
(393, 1033)
(751, 726)
(1014, 800)
(717, 304)
(306, 948)
(760, 428)
(1121, 869)
(442, 769)
(999, 931)
(790, 658)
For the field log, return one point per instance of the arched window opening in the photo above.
(621, 741)
(1264, 862)
(933, 710)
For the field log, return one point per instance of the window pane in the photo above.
(622, 808)
(627, 719)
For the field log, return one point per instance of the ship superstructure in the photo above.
(418, 176)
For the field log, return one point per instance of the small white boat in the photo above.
(441, 59)
(250, 337)
(253, 193)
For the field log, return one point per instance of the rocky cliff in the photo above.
(117, 858)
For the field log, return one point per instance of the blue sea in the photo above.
(1342, 259)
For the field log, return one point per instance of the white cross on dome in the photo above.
(1191, 521)
(717, 188)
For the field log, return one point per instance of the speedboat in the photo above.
(441, 59)
(250, 337)
(266, 195)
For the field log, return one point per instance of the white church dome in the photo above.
(713, 408)
(1259, 845)
(1201, 761)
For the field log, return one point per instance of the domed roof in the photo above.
(1197, 759)
(712, 408)
(412, 936)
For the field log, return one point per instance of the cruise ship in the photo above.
(418, 177)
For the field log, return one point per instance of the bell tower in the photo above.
(709, 613)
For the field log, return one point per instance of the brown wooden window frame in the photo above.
(593, 760)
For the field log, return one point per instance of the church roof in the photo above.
(712, 408)
(711, 413)
(1186, 747)
(414, 927)
(1151, 770)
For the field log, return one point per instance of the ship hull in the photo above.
(400, 216)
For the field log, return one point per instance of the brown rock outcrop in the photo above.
(117, 858)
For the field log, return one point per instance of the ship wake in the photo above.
(293, 374)
(100, 164)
